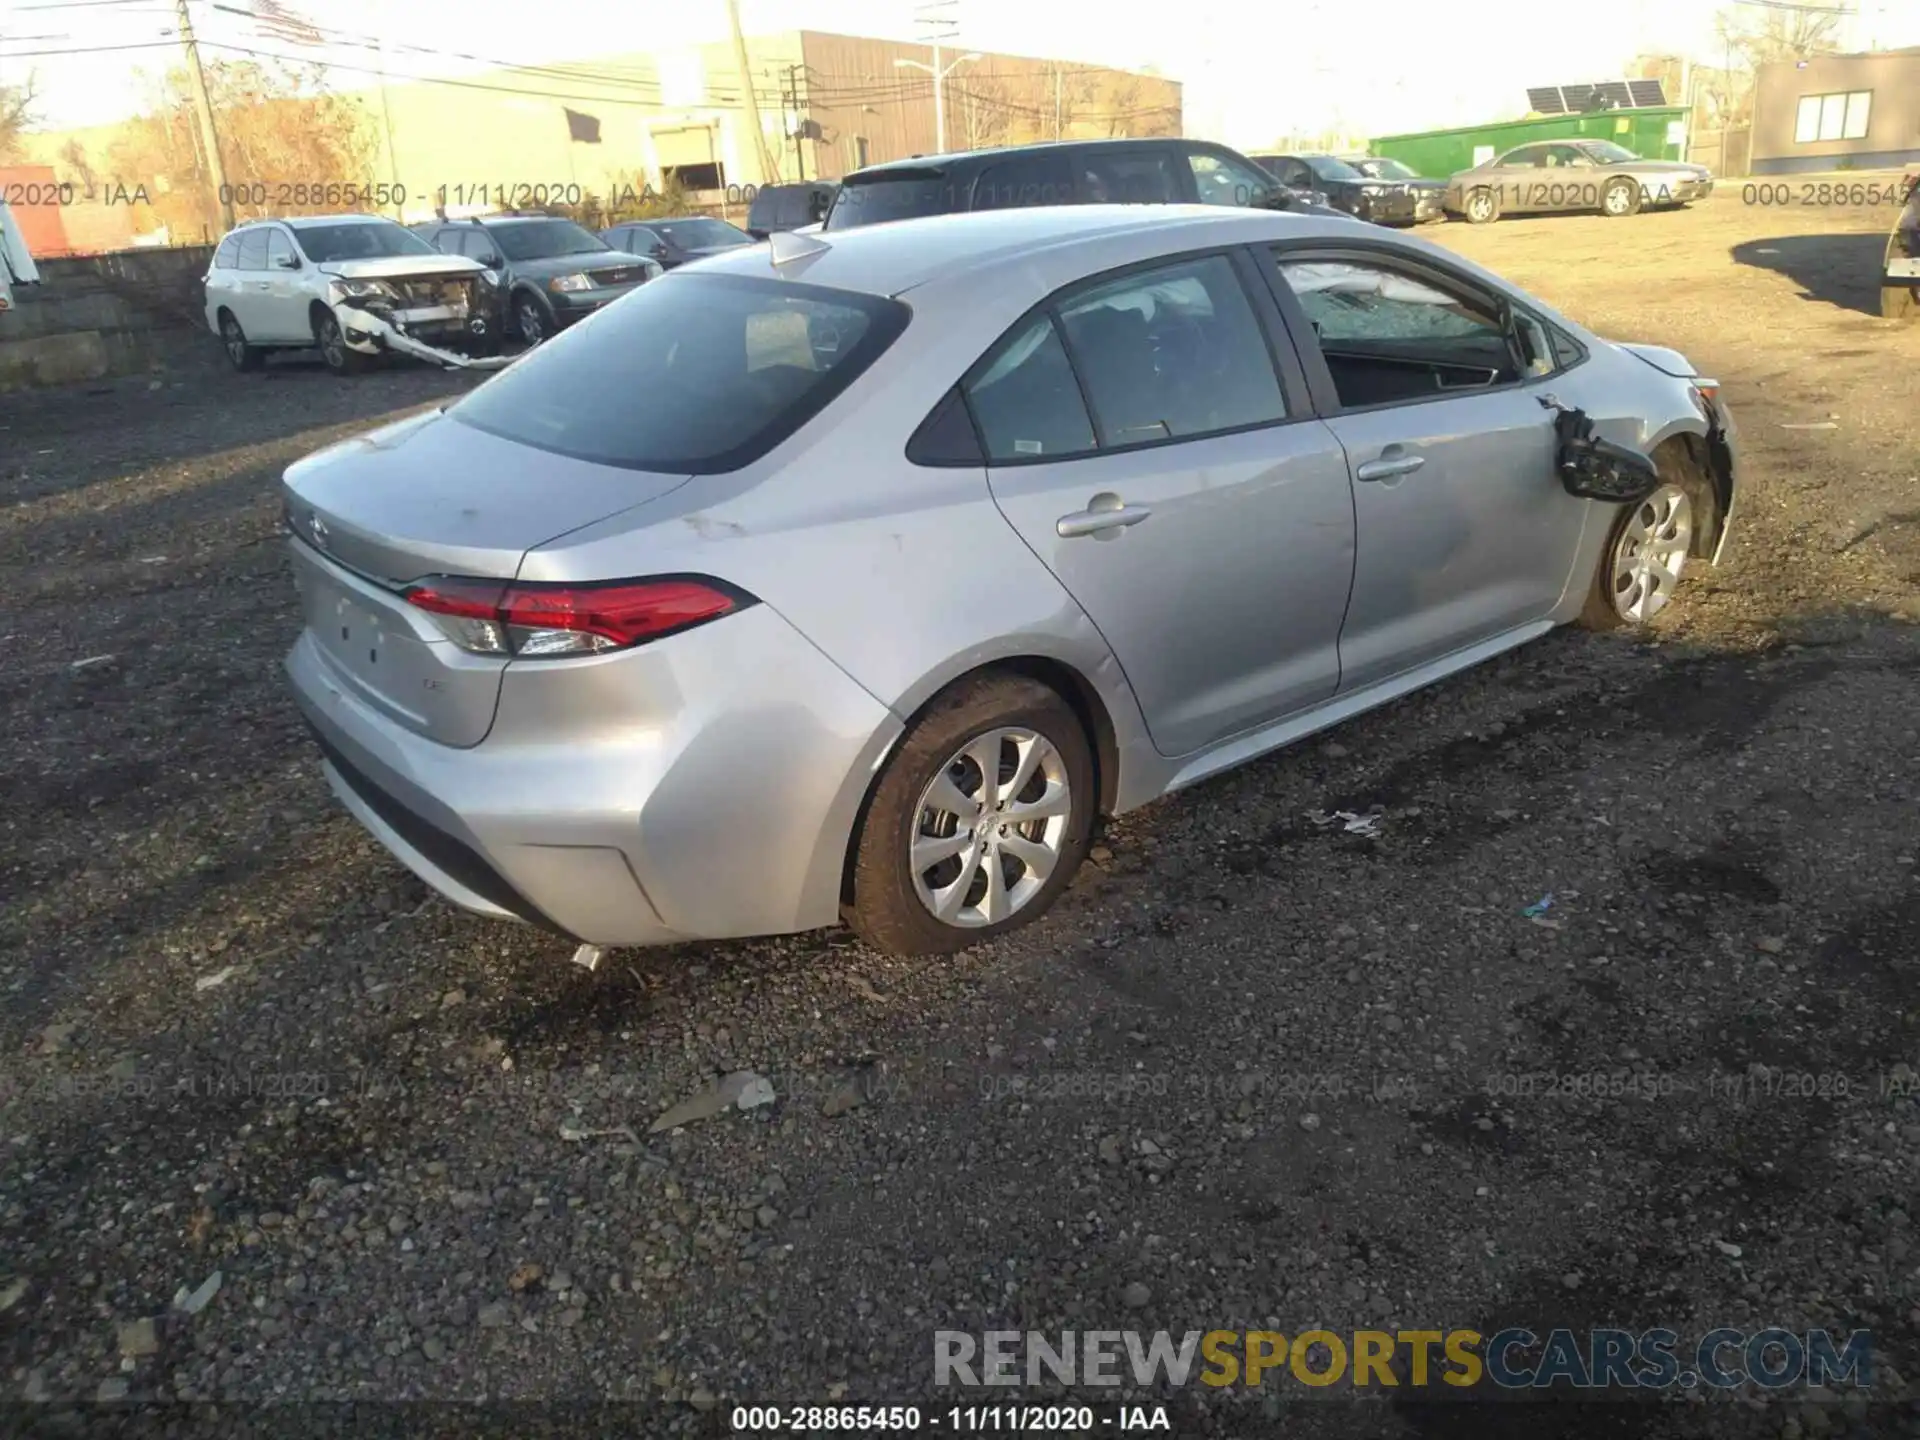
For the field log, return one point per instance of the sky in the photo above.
(1252, 72)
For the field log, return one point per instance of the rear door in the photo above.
(251, 301)
(1142, 441)
(1463, 530)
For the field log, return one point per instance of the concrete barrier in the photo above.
(93, 316)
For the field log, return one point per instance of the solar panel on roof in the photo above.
(1576, 99)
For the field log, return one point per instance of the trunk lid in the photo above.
(385, 267)
(430, 496)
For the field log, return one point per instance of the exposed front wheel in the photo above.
(1644, 560)
(240, 354)
(341, 358)
(979, 820)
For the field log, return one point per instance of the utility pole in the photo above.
(939, 24)
(209, 137)
(793, 109)
(386, 119)
(769, 166)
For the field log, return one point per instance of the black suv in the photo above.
(788, 207)
(1068, 172)
(550, 271)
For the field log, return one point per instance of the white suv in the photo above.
(351, 286)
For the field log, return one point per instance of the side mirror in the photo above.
(658, 250)
(288, 262)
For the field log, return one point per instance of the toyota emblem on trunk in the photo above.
(318, 528)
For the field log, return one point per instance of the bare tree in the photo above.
(1778, 34)
(16, 114)
(985, 109)
(287, 145)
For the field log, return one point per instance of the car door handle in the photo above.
(1384, 469)
(1097, 518)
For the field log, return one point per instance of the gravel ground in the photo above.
(1255, 1055)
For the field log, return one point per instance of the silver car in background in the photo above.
(859, 576)
(1567, 176)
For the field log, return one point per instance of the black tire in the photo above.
(1599, 612)
(533, 322)
(240, 354)
(886, 910)
(1483, 206)
(332, 341)
(1900, 302)
(1629, 205)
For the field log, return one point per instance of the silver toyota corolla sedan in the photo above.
(860, 575)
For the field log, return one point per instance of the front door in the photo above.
(1140, 442)
(285, 298)
(1463, 530)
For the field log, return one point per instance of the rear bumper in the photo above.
(703, 787)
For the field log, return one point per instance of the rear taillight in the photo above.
(547, 621)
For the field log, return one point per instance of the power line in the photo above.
(88, 50)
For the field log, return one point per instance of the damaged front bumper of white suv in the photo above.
(449, 321)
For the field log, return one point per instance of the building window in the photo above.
(1832, 117)
(704, 176)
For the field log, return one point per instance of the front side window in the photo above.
(1223, 181)
(1608, 153)
(1026, 400)
(279, 250)
(697, 373)
(1172, 353)
(1390, 335)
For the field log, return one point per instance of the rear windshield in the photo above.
(702, 233)
(359, 240)
(694, 373)
(895, 195)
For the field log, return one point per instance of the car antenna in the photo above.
(788, 246)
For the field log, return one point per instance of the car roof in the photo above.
(957, 159)
(892, 258)
(305, 222)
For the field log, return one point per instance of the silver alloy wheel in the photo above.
(1618, 199)
(236, 341)
(333, 344)
(1650, 553)
(1480, 205)
(989, 827)
(532, 324)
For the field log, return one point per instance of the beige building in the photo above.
(616, 128)
(1837, 112)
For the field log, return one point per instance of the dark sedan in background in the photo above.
(675, 241)
(1384, 202)
(1429, 195)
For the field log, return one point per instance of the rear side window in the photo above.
(253, 250)
(699, 374)
(1145, 177)
(1171, 354)
(1026, 400)
(1030, 180)
(896, 195)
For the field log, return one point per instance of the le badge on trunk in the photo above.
(1595, 469)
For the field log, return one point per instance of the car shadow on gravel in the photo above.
(1838, 270)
